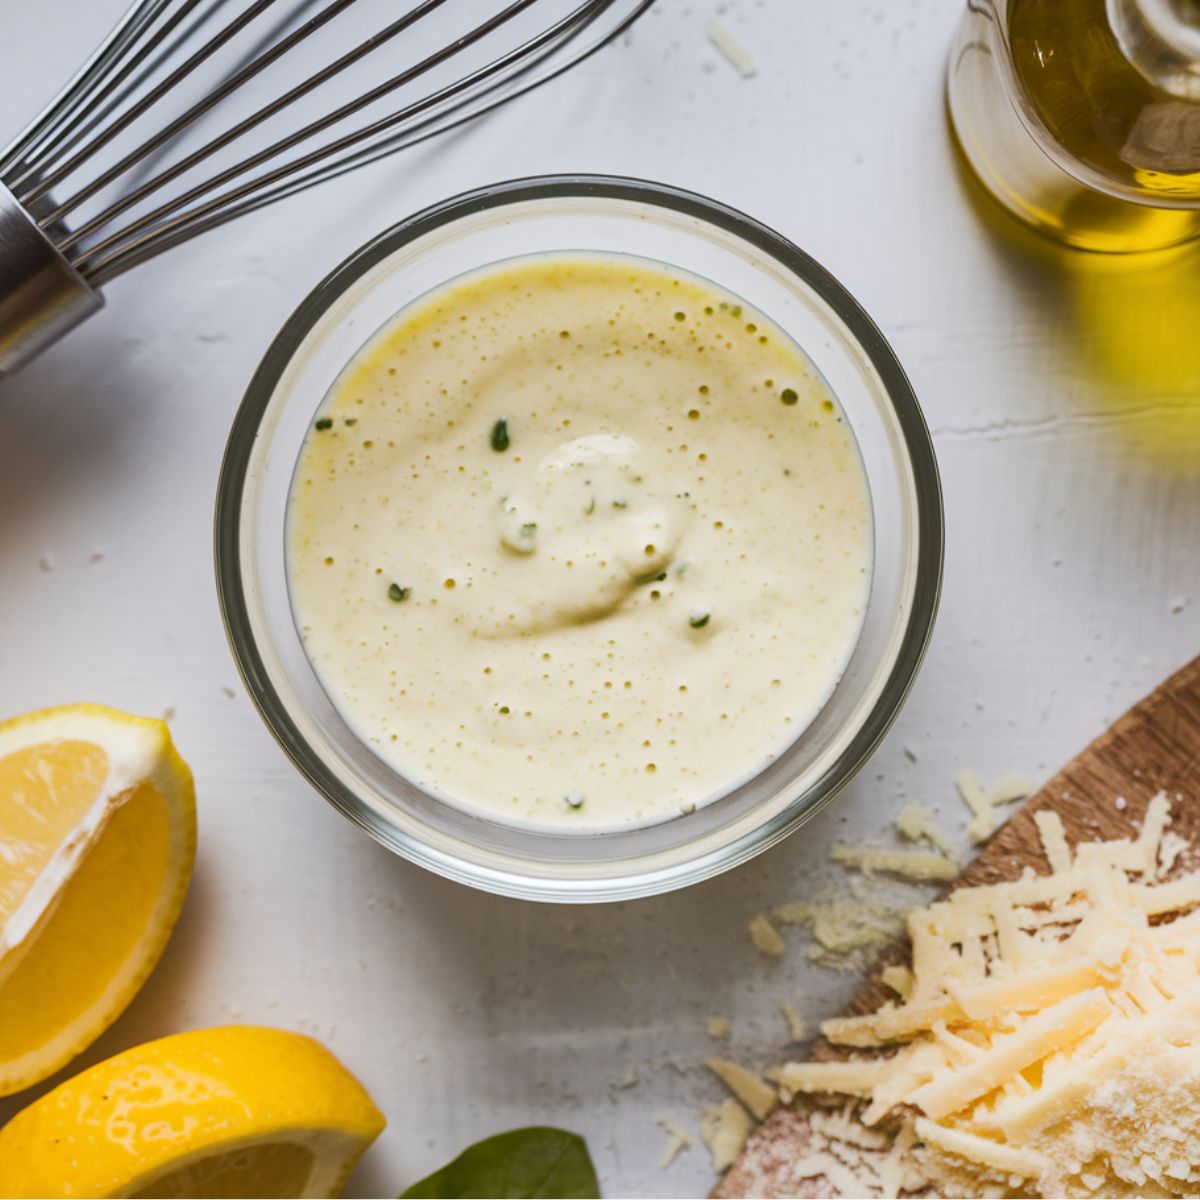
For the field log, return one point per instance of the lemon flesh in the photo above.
(232, 1111)
(97, 839)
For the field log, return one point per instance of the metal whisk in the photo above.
(193, 112)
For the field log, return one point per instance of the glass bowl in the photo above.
(604, 215)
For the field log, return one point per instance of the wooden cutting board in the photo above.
(1153, 747)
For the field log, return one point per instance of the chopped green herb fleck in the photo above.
(396, 592)
(504, 708)
(573, 800)
(351, 421)
(699, 618)
(591, 508)
(500, 436)
(789, 396)
(681, 316)
(529, 529)
(324, 423)
(620, 504)
(660, 578)
(736, 310)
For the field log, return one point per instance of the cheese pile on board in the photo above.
(1049, 1041)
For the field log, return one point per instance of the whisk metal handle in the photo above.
(41, 294)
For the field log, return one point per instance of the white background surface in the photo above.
(1064, 396)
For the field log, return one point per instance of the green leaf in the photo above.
(537, 1161)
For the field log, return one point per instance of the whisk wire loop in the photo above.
(119, 167)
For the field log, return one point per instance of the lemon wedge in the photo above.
(235, 1111)
(97, 837)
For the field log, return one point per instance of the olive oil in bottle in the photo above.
(1083, 116)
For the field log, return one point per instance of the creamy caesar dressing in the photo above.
(579, 540)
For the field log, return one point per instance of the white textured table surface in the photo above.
(1064, 396)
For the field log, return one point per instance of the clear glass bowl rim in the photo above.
(929, 530)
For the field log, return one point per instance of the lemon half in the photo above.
(234, 1111)
(97, 838)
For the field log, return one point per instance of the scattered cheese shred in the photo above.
(719, 1027)
(724, 1129)
(766, 937)
(973, 1148)
(983, 804)
(1046, 1041)
(915, 824)
(1054, 840)
(855, 1077)
(899, 979)
(677, 1141)
(1169, 851)
(911, 864)
(734, 54)
(797, 1030)
(1009, 790)
(983, 813)
(842, 926)
(760, 1099)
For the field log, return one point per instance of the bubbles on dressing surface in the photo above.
(631, 572)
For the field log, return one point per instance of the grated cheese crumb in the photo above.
(1009, 790)
(911, 864)
(719, 1027)
(899, 979)
(731, 51)
(915, 824)
(766, 937)
(724, 1129)
(1169, 850)
(677, 1141)
(1054, 840)
(797, 1030)
(842, 926)
(983, 814)
(757, 1096)
(1046, 1042)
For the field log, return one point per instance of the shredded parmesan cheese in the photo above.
(719, 1027)
(1009, 790)
(760, 1099)
(912, 864)
(1169, 850)
(983, 813)
(899, 979)
(766, 937)
(841, 926)
(915, 824)
(983, 804)
(1054, 840)
(677, 1141)
(733, 53)
(724, 1129)
(1046, 1041)
(797, 1030)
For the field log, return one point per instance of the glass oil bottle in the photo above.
(1082, 117)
